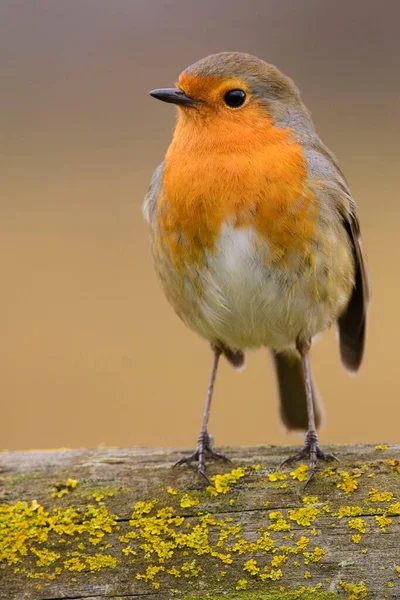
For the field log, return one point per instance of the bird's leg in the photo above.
(311, 446)
(205, 441)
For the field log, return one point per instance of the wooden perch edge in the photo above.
(120, 523)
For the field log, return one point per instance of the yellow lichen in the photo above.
(349, 511)
(314, 556)
(301, 473)
(326, 507)
(32, 575)
(311, 500)
(150, 574)
(241, 584)
(264, 543)
(394, 464)
(62, 488)
(356, 539)
(304, 516)
(128, 550)
(357, 591)
(302, 543)
(307, 575)
(328, 472)
(191, 569)
(172, 491)
(349, 482)
(394, 509)
(226, 531)
(279, 522)
(277, 476)
(279, 560)
(74, 564)
(242, 546)
(45, 557)
(383, 522)
(382, 447)
(223, 483)
(101, 561)
(97, 496)
(251, 567)
(188, 501)
(376, 496)
(143, 508)
(358, 524)
(273, 574)
(24, 525)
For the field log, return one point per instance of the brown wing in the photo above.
(352, 323)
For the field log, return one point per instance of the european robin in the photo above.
(254, 232)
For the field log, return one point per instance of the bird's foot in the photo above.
(205, 444)
(311, 448)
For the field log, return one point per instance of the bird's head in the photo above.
(235, 88)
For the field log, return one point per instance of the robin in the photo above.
(255, 236)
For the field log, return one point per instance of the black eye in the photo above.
(235, 98)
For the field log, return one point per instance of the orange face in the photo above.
(235, 166)
(211, 90)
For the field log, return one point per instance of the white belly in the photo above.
(248, 303)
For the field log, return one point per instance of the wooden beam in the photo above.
(121, 523)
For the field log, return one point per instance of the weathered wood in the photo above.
(260, 539)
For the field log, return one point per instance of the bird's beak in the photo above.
(173, 95)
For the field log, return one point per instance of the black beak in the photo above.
(173, 95)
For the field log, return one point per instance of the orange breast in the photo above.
(245, 172)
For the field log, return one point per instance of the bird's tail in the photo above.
(292, 391)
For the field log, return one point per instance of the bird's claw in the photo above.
(204, 445)
(312, 449)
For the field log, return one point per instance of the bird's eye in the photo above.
(234, 98)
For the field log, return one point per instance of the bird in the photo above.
(255, 236)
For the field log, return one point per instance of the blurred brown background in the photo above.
(90, 351)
